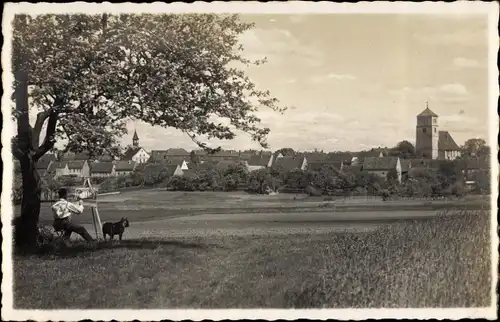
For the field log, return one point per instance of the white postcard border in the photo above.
(455, 8)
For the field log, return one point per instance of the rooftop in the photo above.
(101, 167)
(446, 142)
(125, 166)
(380, 163)
(428, 112)
(131, 151)
(259, 160)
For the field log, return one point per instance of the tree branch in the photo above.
(40, 119)
(49, 141)
(201, 144)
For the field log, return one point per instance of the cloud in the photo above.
(332, 76)
(279, 46)
(465, 63)
(340, 76)
(463, 37)
(457, 89)
(452, 93)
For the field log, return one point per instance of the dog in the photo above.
(117, 228)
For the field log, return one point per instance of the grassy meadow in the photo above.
(441, 262)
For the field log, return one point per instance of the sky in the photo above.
(353, 82)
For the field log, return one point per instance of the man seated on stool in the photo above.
(63, 210)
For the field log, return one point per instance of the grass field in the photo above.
(442, 262)
(156, 204)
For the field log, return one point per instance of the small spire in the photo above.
(135, 139)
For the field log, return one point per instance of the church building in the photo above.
(432, 143)
(135, 153)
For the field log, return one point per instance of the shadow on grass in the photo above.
(81, 248)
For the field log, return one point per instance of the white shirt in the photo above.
(63, 209)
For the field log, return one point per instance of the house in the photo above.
(257, 162)
(104, 158)
(344, 157)
(448, 149)
(315, 156)
(289, 163)
(71, 156)
(354, 169)
(222, 155)
(157, 170)
(374, 152)
(381, 166)
(162, 155)
(136, 154)
(58, 169)
(102, 170)
(157, 156)
(204, 165)
(469, 166)
(181, 162)
(174, 170)
(79, 168)
(318, 165)
(125, 167)
(246, 155)
(179, 153)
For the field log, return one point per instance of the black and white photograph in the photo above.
(244, 160)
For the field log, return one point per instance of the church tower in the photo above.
(135, 140)
(427, 139)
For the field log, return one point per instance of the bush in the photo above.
(179, 183)
(458, 190)
(230, 182)
(312, 191)
(296, 179)
(69, 181)
(261, 181)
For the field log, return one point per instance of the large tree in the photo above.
(86, 75)
(404, 150)
(475, 147)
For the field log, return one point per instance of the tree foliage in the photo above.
(261, 181)
(97, 71)
(86, 75)
(404, 150)
(475, 147)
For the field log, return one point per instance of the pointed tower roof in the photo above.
(136, 137)
(427, 112)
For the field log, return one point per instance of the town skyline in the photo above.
(338, 97)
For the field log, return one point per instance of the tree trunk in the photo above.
(28, 151)
(27, 226)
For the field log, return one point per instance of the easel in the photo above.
(93, 204)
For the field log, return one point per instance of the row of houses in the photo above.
(181, 162)
(49, 166)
